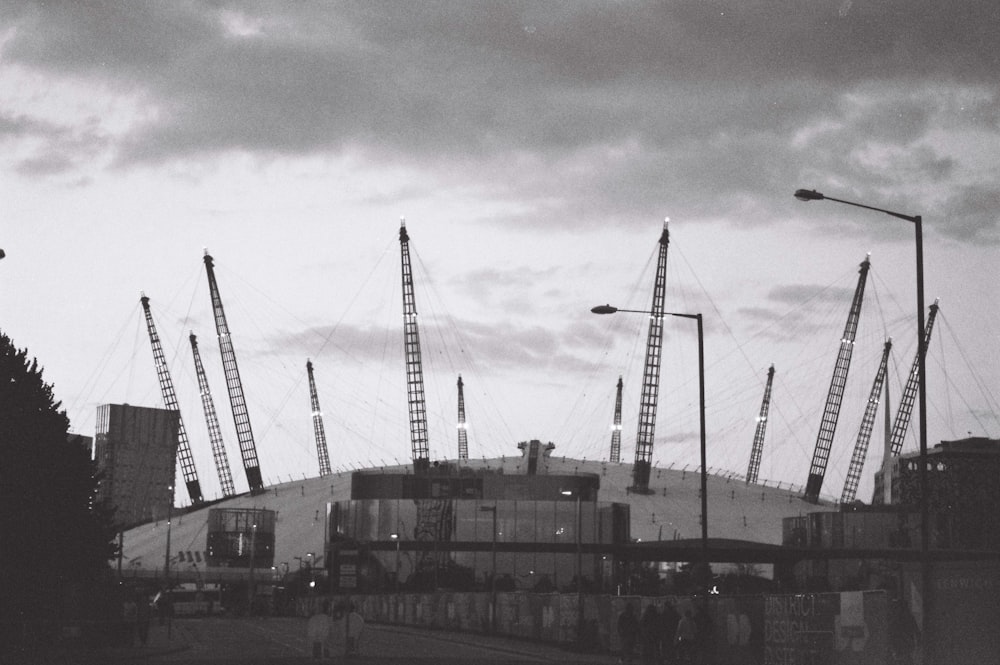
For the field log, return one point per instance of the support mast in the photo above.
(753, 469)
(170, 402)
(828, 425)
(241, 417)
(651, 374)
(616, 428)
(463, 434)
(322, 453)
(212, 419)
(902, 421)
(865, 432)
(414, 365)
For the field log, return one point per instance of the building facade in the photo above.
(135, 449)
(452, 527)
(964, 495)
(240, 538)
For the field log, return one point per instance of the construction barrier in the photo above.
(846, 628)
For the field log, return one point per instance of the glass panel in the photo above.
(545, 572)
(525, 531)
(367, 524)
(545, 522)
(565, 527)
(565, 572)
(466, 514)
(407, 519)
(505, 571)
(587, 516)
(484, 521)
(506, 520)
(387, 512)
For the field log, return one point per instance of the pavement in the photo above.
(282, 640)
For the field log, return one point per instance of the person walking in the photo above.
(685, 638)
(628, 633)
(355, 625)
(318, 632)
(668, 627)
(649, 634)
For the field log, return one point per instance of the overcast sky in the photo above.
(535, 149)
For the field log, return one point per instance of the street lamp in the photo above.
(917, 221)
(493, 576)
(579, 562)
(395, 537)
(609, 309)
(166, 562)
(250, 583)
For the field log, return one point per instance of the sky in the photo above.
(535, 150)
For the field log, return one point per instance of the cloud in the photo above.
(974, 215)
(800, 294)
(583, 112)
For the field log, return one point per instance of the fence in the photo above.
(818, 628)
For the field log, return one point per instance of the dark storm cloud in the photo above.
(976, 211)
(613, 106)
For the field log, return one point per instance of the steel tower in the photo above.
(651, 374)
(753, 469)
(212, 419)
(616, 428)
(241, 417)
(321, 450)
(463, 434)
(902, 421)
(170, 402)
(828, 425)
(414, 365)
(865, 432)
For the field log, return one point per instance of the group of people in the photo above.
(335, 630)
(662, 636)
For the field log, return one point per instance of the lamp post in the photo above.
(917, 221)
(579, 562)
(166, 563)
(608, 309)
(395, 585)
(250, 583)
(493, 576)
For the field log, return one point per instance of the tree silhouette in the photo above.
(55, 540)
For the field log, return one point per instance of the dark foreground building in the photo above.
(452, 527)
(136, 453)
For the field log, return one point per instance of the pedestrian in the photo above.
(668, 627)
(628, 633)
(318, 632)
(142, 618)
(649, 631)
(337, 642)
(355, 624)
(685, 638)
(129, 612)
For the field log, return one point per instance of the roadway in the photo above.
(221, 641)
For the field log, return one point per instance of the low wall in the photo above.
(847, 628)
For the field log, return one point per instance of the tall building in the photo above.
(963, 496)
(136, 453)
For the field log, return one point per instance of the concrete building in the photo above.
(136, 452)
(462, 528)
(963, 487)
